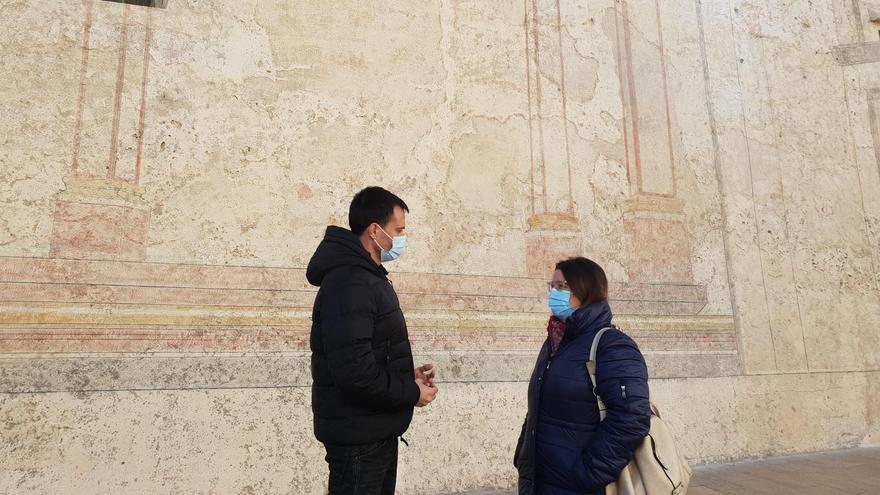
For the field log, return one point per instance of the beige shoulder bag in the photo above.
(656, 468)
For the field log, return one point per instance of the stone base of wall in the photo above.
(259, 440)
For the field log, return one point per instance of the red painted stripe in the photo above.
(633, 100)
(666, 96)
(529, 91)
(536, 27)
(120, 83)
(87, 31)
(148, 39)
(564, 107)
(623, 105)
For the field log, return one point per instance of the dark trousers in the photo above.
(363, 469)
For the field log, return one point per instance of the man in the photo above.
(364, 386)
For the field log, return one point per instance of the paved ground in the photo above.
(848, 472)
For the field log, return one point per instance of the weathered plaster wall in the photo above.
(280, 103)
(166, 173)
(801, 188)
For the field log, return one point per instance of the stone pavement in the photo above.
(849, 472)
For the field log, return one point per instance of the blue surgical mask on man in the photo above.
(398, 246)
(559, 302)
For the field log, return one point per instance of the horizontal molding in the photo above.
(654, 204)
(104, 191)
(67, 327)
(94, 281)
(98, 373)
(92, 325)
(12, 313)
(554, 222)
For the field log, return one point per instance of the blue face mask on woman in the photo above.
(559, 303)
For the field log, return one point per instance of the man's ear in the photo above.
(372, 231)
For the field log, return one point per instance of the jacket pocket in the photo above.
(555, 464)
(635, 394)
(636, 389)
(370, 448)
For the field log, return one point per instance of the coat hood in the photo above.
(340, 247)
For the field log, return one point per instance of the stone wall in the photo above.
(167, 172)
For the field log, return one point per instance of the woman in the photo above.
(564, 449)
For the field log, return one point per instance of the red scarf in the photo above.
(555, 331)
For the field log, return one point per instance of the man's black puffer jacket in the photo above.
(363, 385)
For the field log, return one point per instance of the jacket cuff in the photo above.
(412, 392)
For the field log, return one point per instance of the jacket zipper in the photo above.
(540, 380)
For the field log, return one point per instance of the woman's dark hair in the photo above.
(585, 278)
(372, 205)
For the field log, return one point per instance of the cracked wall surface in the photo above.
(295, 109)
(165, 175)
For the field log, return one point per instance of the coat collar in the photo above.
(588, 319)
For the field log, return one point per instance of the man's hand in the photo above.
(427, 393)
(426, 374)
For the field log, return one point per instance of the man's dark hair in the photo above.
(585, 278)
(372, 205)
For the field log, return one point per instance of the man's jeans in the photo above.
(363, 469)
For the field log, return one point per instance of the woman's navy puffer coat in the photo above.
(564, 449)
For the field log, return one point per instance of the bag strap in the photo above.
(591, 369)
